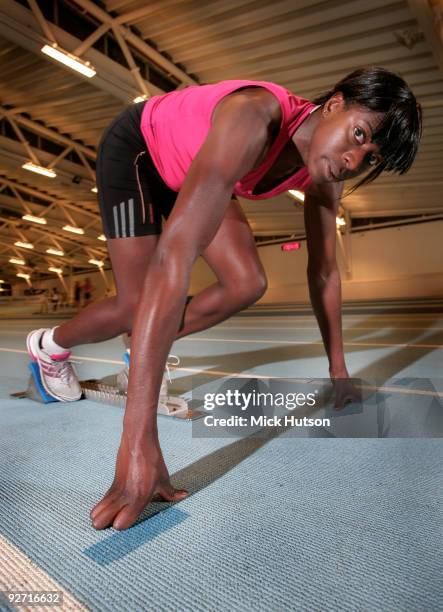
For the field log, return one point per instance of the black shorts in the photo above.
(132, 195)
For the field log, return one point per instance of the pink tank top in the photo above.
(176, 124)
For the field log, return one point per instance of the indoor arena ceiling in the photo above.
(54, 117)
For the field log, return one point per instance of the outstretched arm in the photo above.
(235, 142)
(321, 206)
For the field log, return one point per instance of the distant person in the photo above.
(54, 298)
(77, 295)
(87, 291)
(44, 305)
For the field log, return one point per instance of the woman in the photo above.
(183, 156)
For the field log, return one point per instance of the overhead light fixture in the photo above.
(96, 262)
(23, 275)
(73, 229)
(16, 260)
(297, 194)
(102, 237)
(40, 220)
(55, 252)
(24, 245)
(56, 270)
(140, 98)
(69, 59)
(94, 189)
(340, 221)
(39, 169)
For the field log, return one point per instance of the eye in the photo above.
(359, 134)
(373, 160)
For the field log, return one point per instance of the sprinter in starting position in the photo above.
(185, 156)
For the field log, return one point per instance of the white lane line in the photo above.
(372, 317)
(19, 573)
(237, 375)
(74, 357)
(239, 341)
(226, 326)
(301, 343)
(295, 328)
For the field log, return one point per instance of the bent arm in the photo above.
(323, 274)
(234, 143)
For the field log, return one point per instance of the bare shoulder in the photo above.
(328, 194)
(257, 100)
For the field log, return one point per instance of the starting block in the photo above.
(110, 390)
(36, 390)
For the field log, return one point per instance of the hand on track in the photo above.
(140, 474)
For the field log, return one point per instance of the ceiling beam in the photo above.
(49, 133)
(137, 42)
(426, 20)
(48, 198)
(18, 24)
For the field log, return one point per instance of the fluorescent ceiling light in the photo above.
(297, 194)
(74, 230)
(16, 260)
(94, 189)
(24, 245)
(39, 169)
(102, 237)
(34, 219)
(98, 263)
(68, 59)
(55, 252)
(340, 221)
(56, 270)
(23, 275)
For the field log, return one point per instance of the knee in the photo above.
(251, 290)
(126, 307)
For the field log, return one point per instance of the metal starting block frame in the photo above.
(109, 391)
(106, 391)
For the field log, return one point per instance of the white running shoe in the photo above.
(167, 404)
(123, 376)
(56, 371)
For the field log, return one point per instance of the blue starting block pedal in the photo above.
(127, 358)
(35, 390)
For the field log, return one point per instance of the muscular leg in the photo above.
(110, 317)
(232, 255)
(241, 279)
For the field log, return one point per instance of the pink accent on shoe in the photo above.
(60, 356)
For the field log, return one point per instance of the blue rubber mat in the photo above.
(281, 524)
(288, 524)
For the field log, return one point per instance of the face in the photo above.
(340, 146)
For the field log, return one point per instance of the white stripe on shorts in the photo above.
(123, 218)
(116, 226)
(131, 217)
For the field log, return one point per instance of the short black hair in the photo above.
(398, 134)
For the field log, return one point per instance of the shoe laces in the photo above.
(64, 369)
(171, 362)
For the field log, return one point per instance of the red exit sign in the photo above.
(290, 246)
